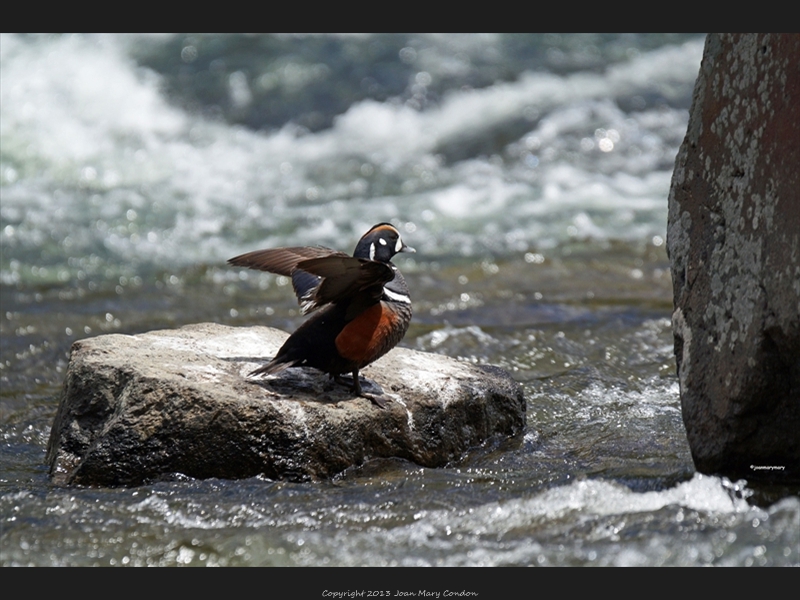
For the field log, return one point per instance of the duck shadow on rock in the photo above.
(307, 383)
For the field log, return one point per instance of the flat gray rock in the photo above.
(138, 407)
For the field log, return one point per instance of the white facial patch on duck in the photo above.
(372, 251)
(382, 241)
(399, 245)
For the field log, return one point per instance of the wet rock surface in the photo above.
(139, 407)
(734, 245)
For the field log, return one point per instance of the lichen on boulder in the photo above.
(734, 246)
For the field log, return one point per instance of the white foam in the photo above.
(588, 499)
(146, 181)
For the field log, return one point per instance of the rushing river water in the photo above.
(531, 174)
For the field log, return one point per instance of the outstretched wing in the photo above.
(284, 261)
(357, 281)
(281, 261)
(323, 276)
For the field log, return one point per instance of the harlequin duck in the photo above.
(360, 303)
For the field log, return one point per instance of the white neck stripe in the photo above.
(395, 296)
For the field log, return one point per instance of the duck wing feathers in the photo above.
(356, 282)
(284, 261)
(281, 261)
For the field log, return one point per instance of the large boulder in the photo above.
(734, 245)
(138, 407)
